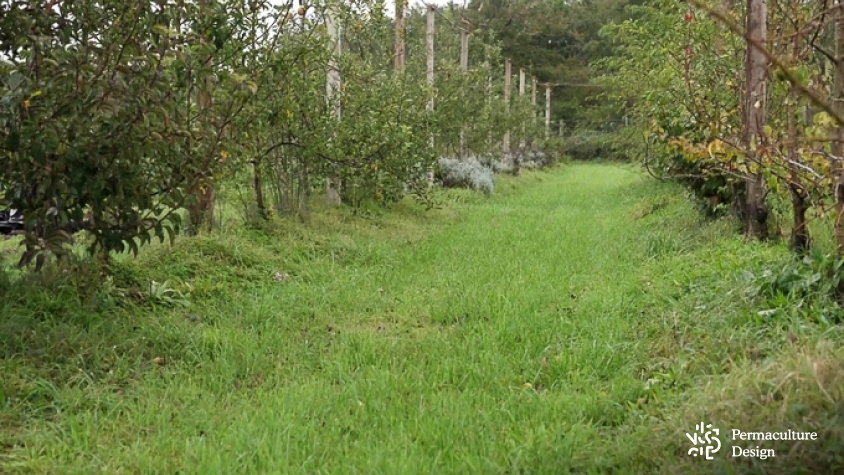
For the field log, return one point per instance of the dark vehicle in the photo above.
(11, 220)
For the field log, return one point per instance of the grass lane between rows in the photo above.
(580, 319)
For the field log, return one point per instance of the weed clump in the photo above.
(811, 289)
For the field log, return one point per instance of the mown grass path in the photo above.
(498, 342)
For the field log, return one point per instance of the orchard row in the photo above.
(117, 117)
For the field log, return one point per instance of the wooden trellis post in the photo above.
(508, 73)
(304, 192)
(332, 93)
(429, 43)
(533, 88)
(464, 68)
(399, 31)
(547, 111)
(489, 139)
(429, 47)
(521, 94)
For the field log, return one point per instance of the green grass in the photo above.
(581, 319)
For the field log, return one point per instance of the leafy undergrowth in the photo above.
(745, 337)
(582, 319)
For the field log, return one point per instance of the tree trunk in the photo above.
(201, 212)
(838, 135)
(258, 185)
(800, 238)
(755, 114)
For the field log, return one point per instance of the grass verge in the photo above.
(581, 319)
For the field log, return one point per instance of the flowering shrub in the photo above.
(466, 173)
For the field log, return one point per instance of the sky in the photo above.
(391, 4)
(414, 3)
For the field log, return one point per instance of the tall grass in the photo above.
(581, 319)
